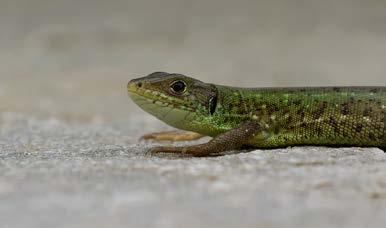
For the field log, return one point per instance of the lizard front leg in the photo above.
(230, 140)
(172, 136)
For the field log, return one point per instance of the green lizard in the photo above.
(261, 117)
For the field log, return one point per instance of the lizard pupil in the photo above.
(178, 87)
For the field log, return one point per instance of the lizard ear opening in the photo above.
(212, 104)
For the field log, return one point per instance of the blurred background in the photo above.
(69, 151)
(72, 59)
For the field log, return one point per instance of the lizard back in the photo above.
(332, 116)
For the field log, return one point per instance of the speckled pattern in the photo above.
(332, 116)
(87, 175)
(69, 155)
(309, 116)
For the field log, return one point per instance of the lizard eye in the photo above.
(178, 87)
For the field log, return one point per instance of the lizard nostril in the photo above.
(139, 84)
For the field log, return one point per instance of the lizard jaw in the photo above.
(156, 97)
(160, 106)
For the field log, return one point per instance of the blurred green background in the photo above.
(71, 59)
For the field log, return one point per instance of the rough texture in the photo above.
(87, 175)
(69, 155)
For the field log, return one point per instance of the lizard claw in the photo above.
(172, 150)
(155, 150)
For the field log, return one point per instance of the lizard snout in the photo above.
(134, 85)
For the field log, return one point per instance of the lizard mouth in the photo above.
(142, 96)
(161, 106)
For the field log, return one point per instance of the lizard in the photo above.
(266, 117)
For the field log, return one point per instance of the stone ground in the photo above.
(55, 174)
(69, 155)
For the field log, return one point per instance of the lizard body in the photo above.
(263, 117)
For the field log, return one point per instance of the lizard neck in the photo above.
(225, 116)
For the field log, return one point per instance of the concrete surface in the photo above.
(55, 174)
(62, 175)
(69, 155)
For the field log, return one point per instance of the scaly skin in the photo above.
(271, 117)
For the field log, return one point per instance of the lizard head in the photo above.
(175, 99)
